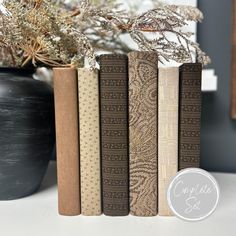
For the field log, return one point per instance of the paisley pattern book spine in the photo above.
(143, 77)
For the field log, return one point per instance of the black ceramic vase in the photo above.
(26, 132)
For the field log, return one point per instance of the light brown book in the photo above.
(168, 105)
(90, 171)
(143, 67)
(67, 140)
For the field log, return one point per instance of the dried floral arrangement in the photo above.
(58, 33)
(41, 32)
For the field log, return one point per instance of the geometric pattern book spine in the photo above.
(168, 104)
(143, 77)
(190, 115)
(88, 88)
(114, 134)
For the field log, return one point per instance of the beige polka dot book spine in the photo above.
(88, 87)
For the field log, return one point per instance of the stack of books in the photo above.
(123, 132)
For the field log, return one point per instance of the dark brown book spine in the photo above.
(67, 140)
(114, 134)
(190, 115)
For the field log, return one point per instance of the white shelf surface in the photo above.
(37, 215)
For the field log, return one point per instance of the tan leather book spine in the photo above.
(67, 140)
(143, 77)
(168, 104)
(190, 115)
(90, 171)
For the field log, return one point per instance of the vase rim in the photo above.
(17, 70)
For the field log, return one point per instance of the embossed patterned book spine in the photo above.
(114, 134)
(89, 142)
(190, 115)
(143, 77)
(67, 140)
(168, 105)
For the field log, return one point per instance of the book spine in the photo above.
(143, 77)
(88, 87)
(114, 134)
(67, 142)
(190, 115)
(168, 105)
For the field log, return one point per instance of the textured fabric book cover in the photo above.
(168, 105)
(190, 115)
(143, 77)
(114, 134)
(90, 171)
(67, 140)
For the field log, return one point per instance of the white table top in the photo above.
(37, 216)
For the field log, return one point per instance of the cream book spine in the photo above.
(90, 173)
(168, 106)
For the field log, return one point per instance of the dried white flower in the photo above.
(4, 10)
(56, 39)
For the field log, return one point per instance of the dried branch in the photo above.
(56, 33)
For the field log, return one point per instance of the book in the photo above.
(114, 134)
(189, 115)
(143, 77)
(67, 140)
(168, 111)
(90, 171)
